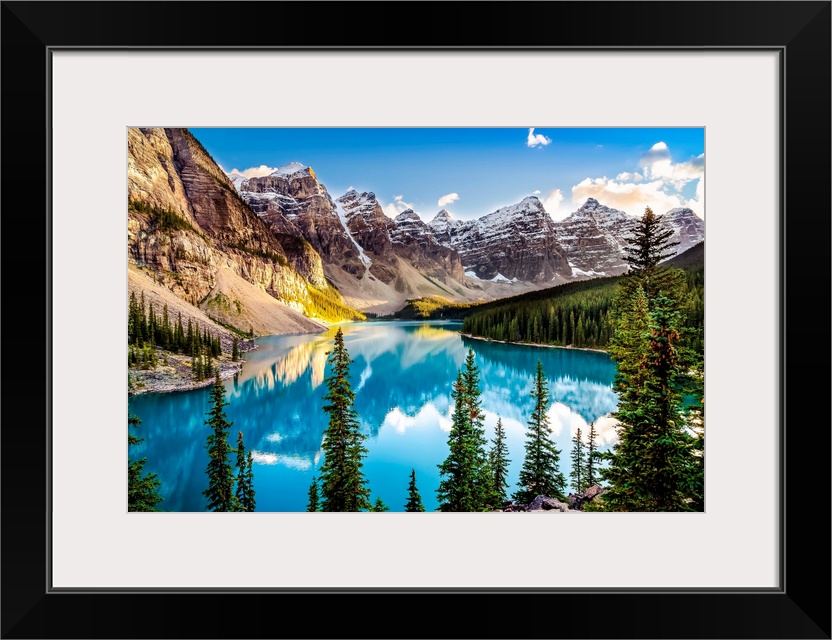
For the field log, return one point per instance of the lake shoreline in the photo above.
(534, 344)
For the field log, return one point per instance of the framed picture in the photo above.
(754, 76)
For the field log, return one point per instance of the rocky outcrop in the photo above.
(594, 237)
(363, 249)
(578, 500)
(688, 228)
(186, 222)
(292, 201)
(413, 240)
(546, 503)
(515, 243)
(541, 503)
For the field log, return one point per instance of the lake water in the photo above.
(402, 375)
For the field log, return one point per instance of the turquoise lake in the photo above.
(402, 374)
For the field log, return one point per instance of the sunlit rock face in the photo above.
(186, 223)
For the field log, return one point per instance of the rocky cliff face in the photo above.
(364, 251)
(367, 254)
(515, 243)
(688, 228)
(593, 237)
(186, 222)
(414, 240)
(292, 201)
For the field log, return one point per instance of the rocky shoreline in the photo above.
(546, 504)
(173, 373)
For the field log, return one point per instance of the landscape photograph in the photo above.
(496, 320)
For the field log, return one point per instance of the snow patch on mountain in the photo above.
(342, 216)
(237, 179)
(289, 169)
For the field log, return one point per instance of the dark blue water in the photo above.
(402, 375)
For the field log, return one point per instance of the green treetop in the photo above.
(540, 474)
(343, 485)
(142, 490)
(414, 499)
(219, 493)
(245, 477)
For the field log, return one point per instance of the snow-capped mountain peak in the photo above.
(289, 169)
(407, 215)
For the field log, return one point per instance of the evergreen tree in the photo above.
(696, 481)
(484, 480)
(235, 349)
(343, 485)
(312, 505)
(245, 477)
(142, 490)
(540, 473)
(647, 247)
(498, 457)
(220, 492)
(379, 506)
(652, 465)
(414, 500)
(577, 458)
(593, 456)
(466, 483)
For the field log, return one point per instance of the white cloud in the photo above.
(627, 177)
(256, 172)
(536, 192)
(627, 196)
(658, 165)
(537, 139)
(658, 186)
(553, 204)
(447, 199)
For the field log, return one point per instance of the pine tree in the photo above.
(220, 492)
(312, 505)
(235, 349)
(540, 473)
(484, 492)
(652, 464)
(593, 456)
(646, 248)
(379, 506)
(343, 485)
(466, 483)
(142, 490)
(414, 500)
(577, 459)
(498, 457)
(245, 477)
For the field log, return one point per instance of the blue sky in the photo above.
(474, 171)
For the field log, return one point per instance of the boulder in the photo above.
(542, 502)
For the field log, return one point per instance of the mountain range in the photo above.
(280, 252)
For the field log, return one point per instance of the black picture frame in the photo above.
(800, 608)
